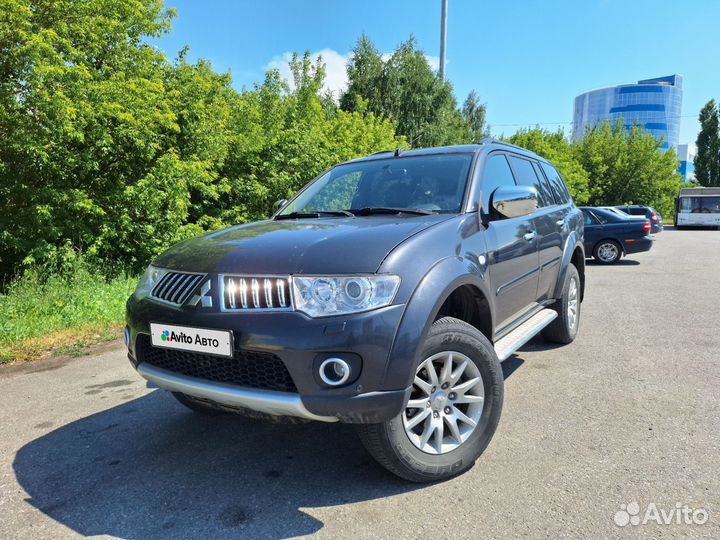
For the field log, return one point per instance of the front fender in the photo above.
(422, 309)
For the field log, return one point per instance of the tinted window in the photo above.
(497, 173)
(547, 190)
(556, 183)
(589, 218)
(525, 176)
(635, 211)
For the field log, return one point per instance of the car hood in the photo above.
(304, 246)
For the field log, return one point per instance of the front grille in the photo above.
(256, 293)
(248, 368)
(176, 287)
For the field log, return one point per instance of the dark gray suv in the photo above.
(385, 294)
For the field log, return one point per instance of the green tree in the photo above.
(83, 114)
(628, 168)
(405, 89)
(707, 159)
(557, 149)
(285, 138)
(365, 71)
(473, 113)
(110, 149)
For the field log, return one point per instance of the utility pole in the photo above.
(443, 38)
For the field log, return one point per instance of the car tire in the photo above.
(565, 326)
(197, 406)
(398, 445)
(607, 252)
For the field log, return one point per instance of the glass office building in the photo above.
(654, 104)
(686, 156)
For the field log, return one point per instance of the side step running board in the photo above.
(525, 332)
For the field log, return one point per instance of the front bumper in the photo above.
(298, 341)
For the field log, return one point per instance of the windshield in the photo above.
(700, 205)
(433, 183)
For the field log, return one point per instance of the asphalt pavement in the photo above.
(629, 414)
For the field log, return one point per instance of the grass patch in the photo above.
(46, 312)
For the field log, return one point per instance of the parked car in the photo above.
(385, 294)
(647, 212)
(609, 236)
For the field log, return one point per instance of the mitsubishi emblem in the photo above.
(204, 296)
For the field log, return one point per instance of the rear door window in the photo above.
(557, 185)
(525, 176)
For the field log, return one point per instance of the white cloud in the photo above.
(434, 61)
(336, 79)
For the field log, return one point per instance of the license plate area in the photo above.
(190, 338)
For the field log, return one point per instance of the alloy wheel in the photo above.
(608, 252)
(572, 304)
(445, 404)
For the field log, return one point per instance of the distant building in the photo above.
(686, 156)
(654, 104)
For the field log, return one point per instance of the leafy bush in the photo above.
(110, 148)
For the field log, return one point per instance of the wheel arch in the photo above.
(574, 252)
(461, 289)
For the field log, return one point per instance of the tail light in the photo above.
(646, 226)
(654, 217)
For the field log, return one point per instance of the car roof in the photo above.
(485, 144)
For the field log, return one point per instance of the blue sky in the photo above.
(527, 59)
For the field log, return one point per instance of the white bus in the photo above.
(699, 207)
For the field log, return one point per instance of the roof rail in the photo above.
(490, 140)
(382, 152)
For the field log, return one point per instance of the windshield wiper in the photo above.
(370, 210)
(317, 214)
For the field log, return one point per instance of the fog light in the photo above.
(127, 336)
(334, 371)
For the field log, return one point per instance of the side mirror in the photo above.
(279, 205)
(515, 201)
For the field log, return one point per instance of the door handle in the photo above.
(530, 236)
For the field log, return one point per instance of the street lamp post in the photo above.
(443, 37)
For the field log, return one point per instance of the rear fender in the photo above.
(573, 241)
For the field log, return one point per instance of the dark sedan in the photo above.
(609, 236)
(655, 218)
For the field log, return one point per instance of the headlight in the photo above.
(148, 280)
(321, 296)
